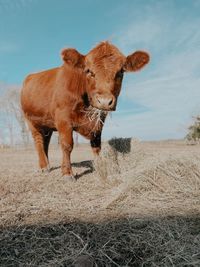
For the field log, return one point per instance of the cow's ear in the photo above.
(136, 61)
(73, 58)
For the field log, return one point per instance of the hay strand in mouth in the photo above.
(96, 116)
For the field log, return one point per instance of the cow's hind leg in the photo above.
(46, 134)
(41, 143)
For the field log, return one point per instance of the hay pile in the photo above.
(151, 177)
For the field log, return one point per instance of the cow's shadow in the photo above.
(88, 164)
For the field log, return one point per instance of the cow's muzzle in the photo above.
(106, 103)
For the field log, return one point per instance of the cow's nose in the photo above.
(105, 102)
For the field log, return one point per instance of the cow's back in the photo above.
(37, 94)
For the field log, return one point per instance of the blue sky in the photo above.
(156, 103)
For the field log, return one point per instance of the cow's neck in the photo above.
(75, 82)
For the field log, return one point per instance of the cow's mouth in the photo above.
(96, 110)
(103, 109)
(100, 110)
(96, 115)
(89, 104)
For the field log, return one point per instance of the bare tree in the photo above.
(7, 121)
(15, 107)
(194, 131)
(11, 110)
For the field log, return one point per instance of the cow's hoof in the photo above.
(69, 178)
(45, 169)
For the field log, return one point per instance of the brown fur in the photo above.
(76, 96)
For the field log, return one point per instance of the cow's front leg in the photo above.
(95, 142)
(66, 141)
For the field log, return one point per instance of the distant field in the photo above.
(140, 206)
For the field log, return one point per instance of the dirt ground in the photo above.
(138, 182)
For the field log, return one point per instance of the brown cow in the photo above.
(76, 97)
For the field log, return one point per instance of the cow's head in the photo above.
(104, 67)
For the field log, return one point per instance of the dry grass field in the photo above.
(138, 204)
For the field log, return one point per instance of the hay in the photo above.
(140, 207)
(125, 242)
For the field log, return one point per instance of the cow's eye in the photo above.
(119, 74)
(90, 73)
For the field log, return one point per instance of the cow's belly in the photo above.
(41, 120)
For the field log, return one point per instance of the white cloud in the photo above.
(170, 86)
